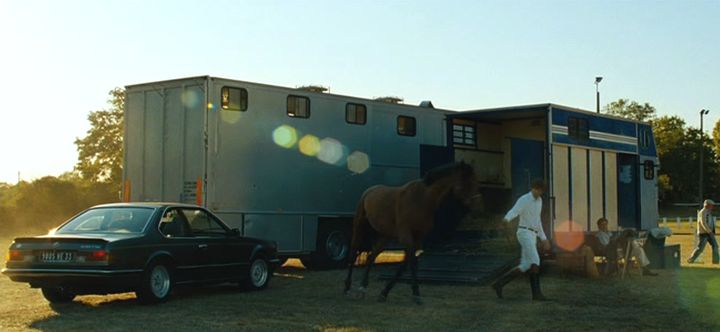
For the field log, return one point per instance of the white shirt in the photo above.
(706, 224)
(528, 208)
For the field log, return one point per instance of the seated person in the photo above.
(607, 242)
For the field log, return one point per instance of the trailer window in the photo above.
(406, 125)
(644, 139)
(298, 107)
(355, 113)
(649, 169)
(464, 134)
(234, 99)
(578, 129)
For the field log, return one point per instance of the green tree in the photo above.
(631, 110)
(100, 152)
(716, 137)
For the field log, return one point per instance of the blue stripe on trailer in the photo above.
(605, 145)
(596, 123)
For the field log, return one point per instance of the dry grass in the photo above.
(300, 300)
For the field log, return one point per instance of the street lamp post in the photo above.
(703, 112)
(597, 93)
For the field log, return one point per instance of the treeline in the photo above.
(37, 206)
(42, 204)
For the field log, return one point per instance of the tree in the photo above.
(716, 137)
(100, 151)
(631, 110)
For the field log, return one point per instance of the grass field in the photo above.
(300, 300)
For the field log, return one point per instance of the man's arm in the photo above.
(516, 210)
(702, 223)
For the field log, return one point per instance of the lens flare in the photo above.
(190, 98)
(358, 162)
(285, 136)
(569, 235)
(309, 145)
(331, 151)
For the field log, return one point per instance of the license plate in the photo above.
(57, 256)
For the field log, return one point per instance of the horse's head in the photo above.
(465, 187)
(459, 177)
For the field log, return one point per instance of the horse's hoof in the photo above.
(382, 298)
(418, 300)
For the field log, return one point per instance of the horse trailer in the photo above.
(290, 164)
(278, 163)
(595, 165)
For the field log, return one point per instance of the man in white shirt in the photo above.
(528, 208)
(706, 233)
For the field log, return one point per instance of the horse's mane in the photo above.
(440, 172)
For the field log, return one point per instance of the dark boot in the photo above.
(506, 278)
(537, 294)
(647, 272)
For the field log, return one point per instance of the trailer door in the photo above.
(627, 187)
(164, 142)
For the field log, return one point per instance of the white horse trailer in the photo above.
(278, 163)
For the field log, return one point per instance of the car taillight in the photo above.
(98, 255)
(15, 255)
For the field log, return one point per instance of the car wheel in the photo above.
(258, 275)
(156, 284)
(332, 251)
(57, 294)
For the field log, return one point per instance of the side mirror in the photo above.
(235, 232)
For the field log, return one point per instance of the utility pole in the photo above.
(703, 112)
(597, 92)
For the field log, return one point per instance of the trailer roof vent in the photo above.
(426, 104)
(390, 99)
(314, 88)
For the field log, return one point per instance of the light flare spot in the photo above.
(190, 98)
(309, 145)
(285, 136)
(569, 235)
(331, 151)
(358, 162)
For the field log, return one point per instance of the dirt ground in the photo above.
(300, 300)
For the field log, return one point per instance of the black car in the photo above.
(147, 248)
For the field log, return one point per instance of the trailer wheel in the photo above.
(332, 251)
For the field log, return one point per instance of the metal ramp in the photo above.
(470, 260)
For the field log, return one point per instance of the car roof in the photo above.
(148, 204)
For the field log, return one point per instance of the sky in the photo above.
(59, 59)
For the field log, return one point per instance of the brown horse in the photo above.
(404, 214)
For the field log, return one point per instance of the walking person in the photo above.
(528, 208)
(706, 233)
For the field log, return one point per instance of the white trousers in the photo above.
(528, 249)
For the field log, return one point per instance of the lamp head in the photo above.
(598, 79)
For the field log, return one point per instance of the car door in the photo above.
(215, 239)
(190, 258)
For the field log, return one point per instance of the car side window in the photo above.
(174, 224)
(203, 224)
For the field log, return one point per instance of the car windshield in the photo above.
(108, 220)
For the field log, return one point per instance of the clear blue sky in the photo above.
(58, 59)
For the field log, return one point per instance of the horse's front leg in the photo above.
(391, 283)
